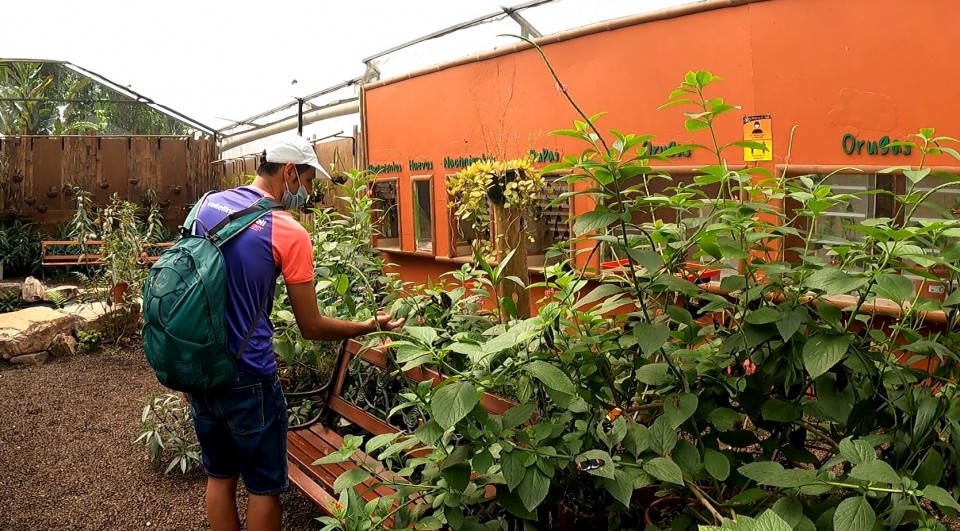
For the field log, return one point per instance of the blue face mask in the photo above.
(294, 201)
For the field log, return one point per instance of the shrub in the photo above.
(166, 430)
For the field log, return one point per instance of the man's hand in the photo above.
(383, 322)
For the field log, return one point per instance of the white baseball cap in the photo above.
(293, 149)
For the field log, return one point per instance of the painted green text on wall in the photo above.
(852, 145)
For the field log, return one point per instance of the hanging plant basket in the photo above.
(496, 191)
(17, 178)
(134, 181)
(53, 192)
(30, 200)
(42, 208)
(104, 185)
(177, 189)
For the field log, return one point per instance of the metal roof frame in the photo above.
(130, 93)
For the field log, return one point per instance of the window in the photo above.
(834, 226)
(944, 204)
(423, 213)
(386, 215)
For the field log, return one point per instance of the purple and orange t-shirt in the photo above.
(275, 244)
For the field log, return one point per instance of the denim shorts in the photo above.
(243, 432)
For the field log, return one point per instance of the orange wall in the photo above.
(867, 67)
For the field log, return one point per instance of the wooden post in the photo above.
(509, 235)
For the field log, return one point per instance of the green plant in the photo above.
(83, 226)
(57, 298)
(776, 398)
(20, 248)
(166, 430)
(352, 283)
(88, 340)
(513, 184)
(10, 301)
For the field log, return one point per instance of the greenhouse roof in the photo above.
(220, 64)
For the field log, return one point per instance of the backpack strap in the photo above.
(233, 223)
(187, 228)
(253, 326)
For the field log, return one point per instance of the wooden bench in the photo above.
(305, 446)
(94, 256)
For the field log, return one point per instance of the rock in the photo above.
(62, 293)
(63, 345)
(32, 330)
(31, 359)
(32, 290)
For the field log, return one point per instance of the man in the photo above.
(242, 429)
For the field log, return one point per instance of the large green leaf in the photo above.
(533, 489)
(654, 374)
(717, 464)
(620, 487)
(678, 408)
(664, 470)
(637, 438)
(379, 441)
(941, 497)
(931, 468)
(452, 402)
(768, 521)
(780, 411)
(834, 281)
(790, 510)
(763, 316)
(551, 376)
(457, 476)
(897, 288)
(423, 334)
(724, 419)
(926, 416)
(592, 221)
(600, 292)
(876, 472)
(429, 433)
(517, 415)
(512, 469)
(857, 451)
(823, 351)
(854, 514)
(651, 337)
(350, 478)
(662, 437)
(773, 474)
(790, 321)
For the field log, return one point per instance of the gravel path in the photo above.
(66, 455)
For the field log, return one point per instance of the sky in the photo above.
(219, 61)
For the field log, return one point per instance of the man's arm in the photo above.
(315, 327)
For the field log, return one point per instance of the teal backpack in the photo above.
(184, 302)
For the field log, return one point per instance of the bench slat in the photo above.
(304, 454)
(317, 494)
(328, 441)
(306, 446)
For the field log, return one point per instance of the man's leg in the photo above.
(263, 513)
(221, 502)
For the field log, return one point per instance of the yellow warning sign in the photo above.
(758, 129)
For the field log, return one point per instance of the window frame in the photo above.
(415, 181)
(377, 222)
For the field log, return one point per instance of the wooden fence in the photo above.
(40, 174)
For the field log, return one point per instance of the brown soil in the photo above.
(67, 458)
